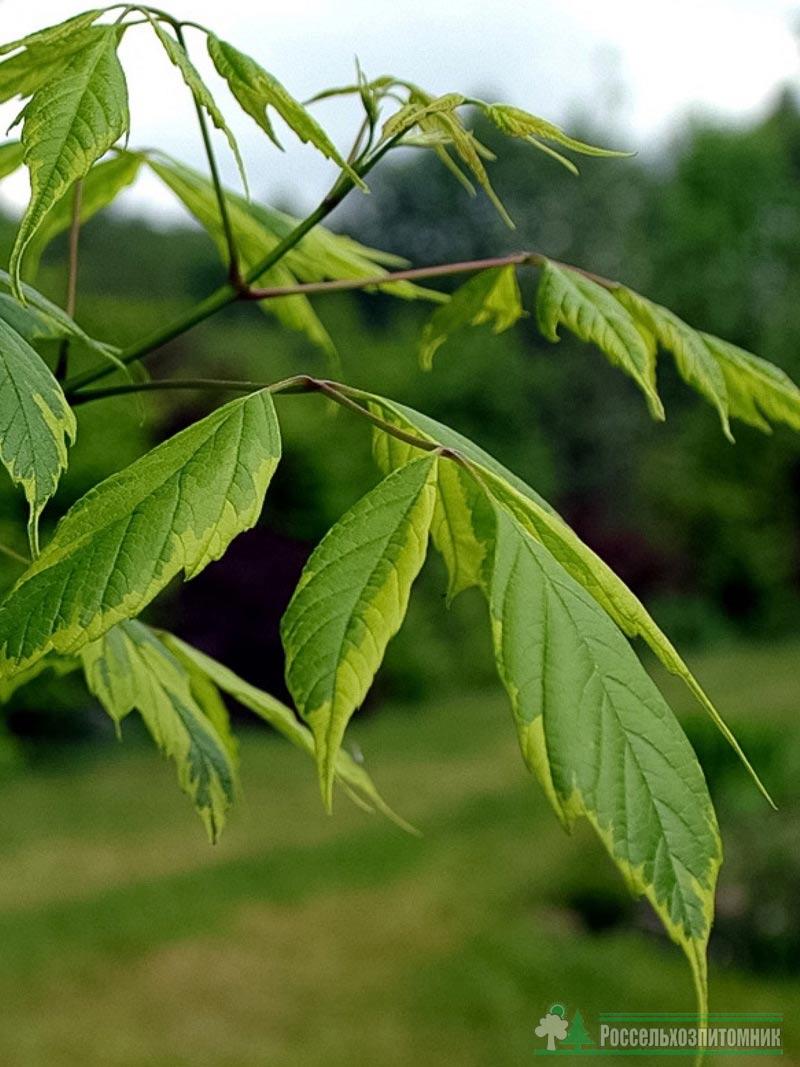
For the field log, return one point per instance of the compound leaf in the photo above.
(459, 533)
(129, 669)
(758, 391)
(350, 775)
(36, 422)
(350, 601)
(492, 296)
(256, 90)
(69, 123)
(590, 312)
(175, 509)
(693, 357)
(597, 732)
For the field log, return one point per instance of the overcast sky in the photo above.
(644, 65)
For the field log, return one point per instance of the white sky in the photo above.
(642, 64)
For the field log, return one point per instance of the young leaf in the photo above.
(10, 158)
(459, 532)
(349, 774)
(175, 509)
(256, 90)
(55, 35)
(179, 57)
(514, 122)
(757, 390)
(490, 297)
(26, 71)
(351, 600)
(129, 668)
(601, 738)
(693, 357)
(70, 122)
(100, 188)
(36, 422)
(416, 111)
(592, 314)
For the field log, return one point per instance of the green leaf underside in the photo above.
(599, 736)
(321, 254)
(59, 665)
(351, 600)
(175, 509)
(351, 776)
(69, 123)
(179, 58)
(100, 188)
(492, 296)
(256, 90)
(128, 669)
(36, 422)
(693, 357)
(27, 71)
(592, 314)
(458, 531)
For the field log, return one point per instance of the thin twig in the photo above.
(71, 298)
(16, 556)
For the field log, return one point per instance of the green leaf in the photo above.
(601, 739)
(320, 255)
(256, 90)
(59, 665)
(490, 297)
(100, 188)
(349, 774)
(70, 122)
(459, 533)
(54, 35)
(514, 122)
(175, 509)
(417, 110)
(10, 158)
(26, 71)
(351, 600)
(41, 319)
(179, 57)
(757, 390)
(36, 422)
(693, 357)
(590, 312)
(130, 669)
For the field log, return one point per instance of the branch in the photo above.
(72, 277)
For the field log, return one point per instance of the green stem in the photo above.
(71, 299)
(228, 293)
(16, 556)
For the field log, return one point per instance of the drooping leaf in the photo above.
(179, 57)
(351, 600)
(320, 255)
(26, 71)
(129, 669)
(598, 734)
(492, 296)
(10, 158)
(36, 424)
(256, 90)
(350, 775)
(69, 123)
(175, 509)
(693, 357)
(590, 312)
(758, 391)
(41, 319)
(101, 186)
(56, 34)
(514, 122)
(459, 533)
(59, 665)
(417, 110)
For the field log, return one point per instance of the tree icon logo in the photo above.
(553, 1026)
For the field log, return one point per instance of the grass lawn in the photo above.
(302, 940)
